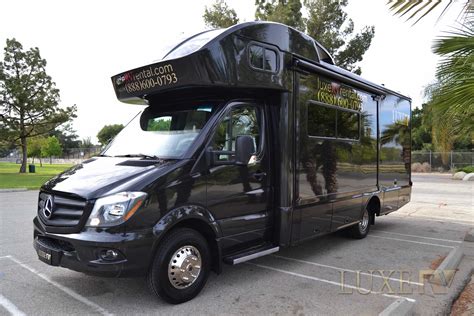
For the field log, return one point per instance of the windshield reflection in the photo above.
(157, 133)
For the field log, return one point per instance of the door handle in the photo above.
(259, 175)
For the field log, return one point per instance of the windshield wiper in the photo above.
(144, 156)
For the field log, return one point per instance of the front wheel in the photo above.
(181, 266)
(361, 230)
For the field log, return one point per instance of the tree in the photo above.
(450, 97)
(452, 94)
(421, 125)
(86, 146)
(6, 148)
(35, 144)
(51, 148)
(330, 26)
(433, 129)
(67, 137)
(284, 11)
(220, 15)
(327, 22)
(28, 98)
(108, 132)
(86, 143)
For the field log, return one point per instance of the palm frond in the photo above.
(409, 5)
(453, 94)
(417, 11)
(401, 7)
(422, 7)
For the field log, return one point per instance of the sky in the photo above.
(86, 42)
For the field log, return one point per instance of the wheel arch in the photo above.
(373, 206)
(195, 217)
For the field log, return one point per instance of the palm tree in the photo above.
(451, 97)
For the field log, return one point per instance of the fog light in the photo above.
(109, 254)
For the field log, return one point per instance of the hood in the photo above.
(104, 175)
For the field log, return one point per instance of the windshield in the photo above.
(160, 133)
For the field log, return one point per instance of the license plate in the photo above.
(44, 256)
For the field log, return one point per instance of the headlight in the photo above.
(115, 209)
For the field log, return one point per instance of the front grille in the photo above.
(60, 211)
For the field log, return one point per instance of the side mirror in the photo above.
(244, 149)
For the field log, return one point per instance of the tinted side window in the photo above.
(256, 56)
(270, 60)
(263, 58)
(321, 121)
(328, 121)
(323, 55)
(242, 120)
(347, 124)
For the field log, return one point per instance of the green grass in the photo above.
(10, 178)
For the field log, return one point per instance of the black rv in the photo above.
(252, 140)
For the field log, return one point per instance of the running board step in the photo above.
(251, 254)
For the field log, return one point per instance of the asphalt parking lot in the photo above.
(329, 275)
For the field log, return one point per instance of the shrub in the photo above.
(416, 167)
(467, 169)
(426, 167)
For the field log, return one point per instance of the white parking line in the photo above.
(441, 219)
(5, 257)
(10, 307)
(412, 241)
(66, 290)
(330, 282)
(417, 236)
(348, 270)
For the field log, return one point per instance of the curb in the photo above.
(446, 270)
(401, 307)
(13, 190)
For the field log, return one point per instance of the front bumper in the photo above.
(82, 251)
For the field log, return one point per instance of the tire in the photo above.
(361, 230)
(179, 283)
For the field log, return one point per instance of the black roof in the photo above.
(218, 58)
(286, 38)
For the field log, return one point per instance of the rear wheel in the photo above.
(361, 230)
(181, 266)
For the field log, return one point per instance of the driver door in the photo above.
(238, 195)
